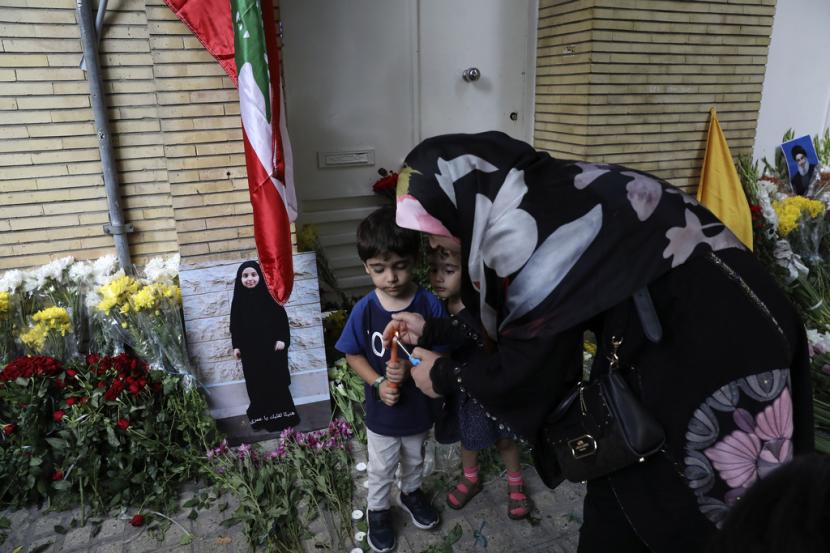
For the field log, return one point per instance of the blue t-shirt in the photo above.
(362, 335)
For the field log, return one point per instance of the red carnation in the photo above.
(57, 415)
(123, 424)
(8, 429)
(57, 475)
(71, 372)
(71, 401)
(137, 520)
(60, 384)
(84, 399)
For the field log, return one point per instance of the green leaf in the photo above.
(60, 529)
(193, 515)
(5, 523)
(228, 522)
(57, 443)
(187, 539)
(62, 485)
(41, 547)
(35, 462)
(17, 549)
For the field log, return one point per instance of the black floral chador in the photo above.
(257, 323)
(549, 248)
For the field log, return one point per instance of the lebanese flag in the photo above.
(245, 45)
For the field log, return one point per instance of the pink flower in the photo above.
(735, 458)
(776, 420)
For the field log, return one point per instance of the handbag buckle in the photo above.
(582, 446)
(614, 356)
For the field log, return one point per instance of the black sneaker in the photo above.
(381, 534)
(423, 514)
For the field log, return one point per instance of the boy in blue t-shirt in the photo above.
(398, 414)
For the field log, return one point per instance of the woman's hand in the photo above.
(388, 394)
(237, 353)
(280, 345)
(409, 326)
(421, 372)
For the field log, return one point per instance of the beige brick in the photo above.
(60, 129)
(75, 206)
(28, 145)
(65, 156)
(24, 211)
(83, 141)
(53, 102)
(161, 43)
(28, 172)
(17, 14)
(41, 45)
(99, 217)
(67, 181)
(71, 87)
(26, 89)
(22, 60)
(113, 60)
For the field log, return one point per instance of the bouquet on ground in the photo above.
(791, 236)
(50, 334)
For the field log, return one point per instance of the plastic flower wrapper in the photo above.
(156, 308)
(50, 334)
(52, 281)
(6, 328)
(802, 223)
(82, 278)
(116, 317)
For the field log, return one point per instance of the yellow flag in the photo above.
(720, 187)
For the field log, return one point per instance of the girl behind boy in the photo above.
(477, 431)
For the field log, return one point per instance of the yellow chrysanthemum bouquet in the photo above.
(116, 318)
(145, 313)
(50, 334)
(157, 310)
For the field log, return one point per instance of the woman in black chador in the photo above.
(260, 337)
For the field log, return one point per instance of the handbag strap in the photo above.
(608, 349)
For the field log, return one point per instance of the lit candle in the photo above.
(393, 355)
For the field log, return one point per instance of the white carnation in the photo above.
(11, 280)
(81, 272)
(819, 341)
(159, 270)
(103, 268)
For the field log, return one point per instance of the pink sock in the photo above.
(515, 478)
(471, 473)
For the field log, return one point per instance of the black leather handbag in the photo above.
(600, 427)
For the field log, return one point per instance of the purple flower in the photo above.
(243, 451)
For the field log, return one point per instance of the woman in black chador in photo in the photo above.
(260, 337)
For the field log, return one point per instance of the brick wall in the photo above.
(632, 82)
(176, 131)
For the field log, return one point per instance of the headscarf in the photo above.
(254, 313)
(548, 243)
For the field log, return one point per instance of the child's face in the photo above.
(445, 276)
(391, 274)
(250, 278)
